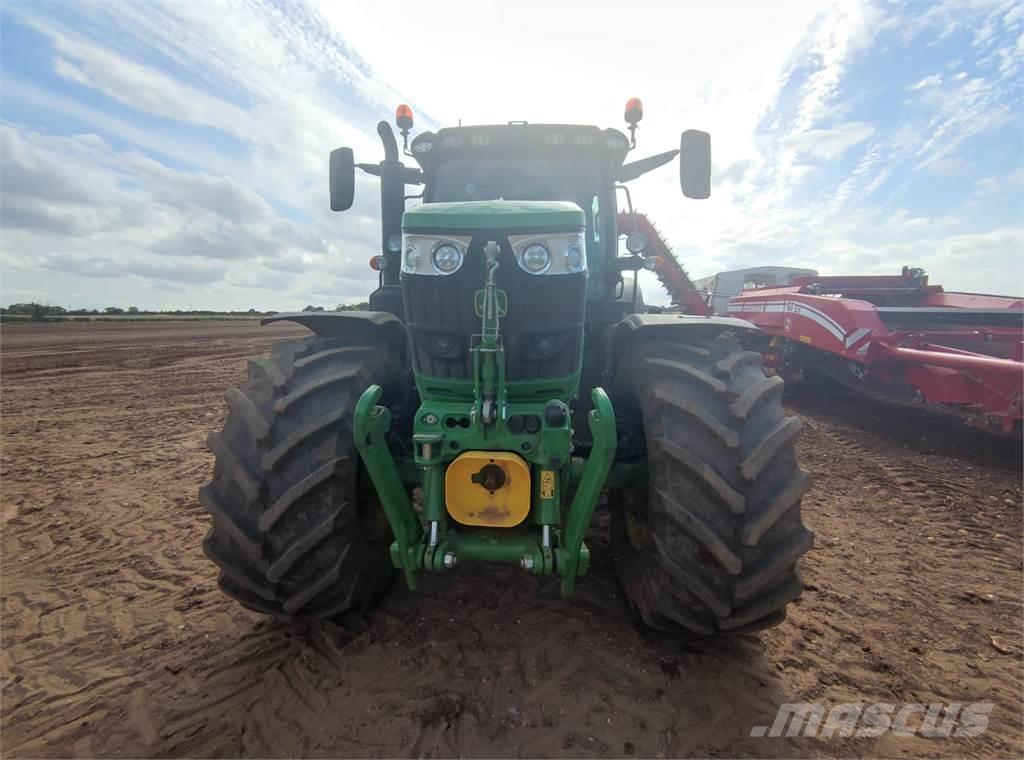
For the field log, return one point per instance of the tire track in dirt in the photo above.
(79, 531)
(116, 642)
(944, 559)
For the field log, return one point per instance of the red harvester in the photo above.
(897, 336)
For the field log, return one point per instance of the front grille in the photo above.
(542, 332)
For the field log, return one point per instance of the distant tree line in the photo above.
(39, 312)
(361, 306)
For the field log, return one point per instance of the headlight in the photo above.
(536, 258)
(636, 243)
(550, 254)
(433, 255)
(395, 243)
(447, 258)
(574, 260)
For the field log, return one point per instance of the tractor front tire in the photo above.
(297, 528)
(710, 543)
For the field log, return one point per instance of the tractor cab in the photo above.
(519, 161)
(530, 162)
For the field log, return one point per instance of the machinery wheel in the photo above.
(711, 542)
(297, 528)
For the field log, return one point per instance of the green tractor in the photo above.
(506, 376)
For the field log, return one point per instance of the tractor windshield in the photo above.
(530, 179)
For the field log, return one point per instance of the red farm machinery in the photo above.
(898, 337)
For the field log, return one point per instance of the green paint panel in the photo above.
(490, 215)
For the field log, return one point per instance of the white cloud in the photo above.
(147, 90)
(835, 38)
(829, 144)
(967, 262)
(961, 113)
(902, 220)
(951, 166)
(988, 186)
(78, 206)
(930, 81)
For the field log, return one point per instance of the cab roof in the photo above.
(520, 139)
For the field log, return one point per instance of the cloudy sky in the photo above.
(175, 155)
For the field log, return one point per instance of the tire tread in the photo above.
(286, 531)
(724, 533)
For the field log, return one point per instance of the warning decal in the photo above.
(547, 484)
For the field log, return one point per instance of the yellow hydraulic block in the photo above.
(489, 489)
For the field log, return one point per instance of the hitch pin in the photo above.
(546, 536)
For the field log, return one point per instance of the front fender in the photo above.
(665, 326)
(374, 325)
(681, 328)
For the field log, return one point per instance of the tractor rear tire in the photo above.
(710, 543)
(297, 528)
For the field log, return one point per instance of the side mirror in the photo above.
(342, 179)
(695, 164)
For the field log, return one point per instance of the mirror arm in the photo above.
(637, 168)
(411, 175)
(631, 263)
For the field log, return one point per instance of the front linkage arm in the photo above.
(602, 429)
(369, 428)
(410, 553)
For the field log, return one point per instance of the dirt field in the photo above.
(115, 641)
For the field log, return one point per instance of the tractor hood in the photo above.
(493, 215)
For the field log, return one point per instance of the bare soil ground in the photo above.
(116, 642)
